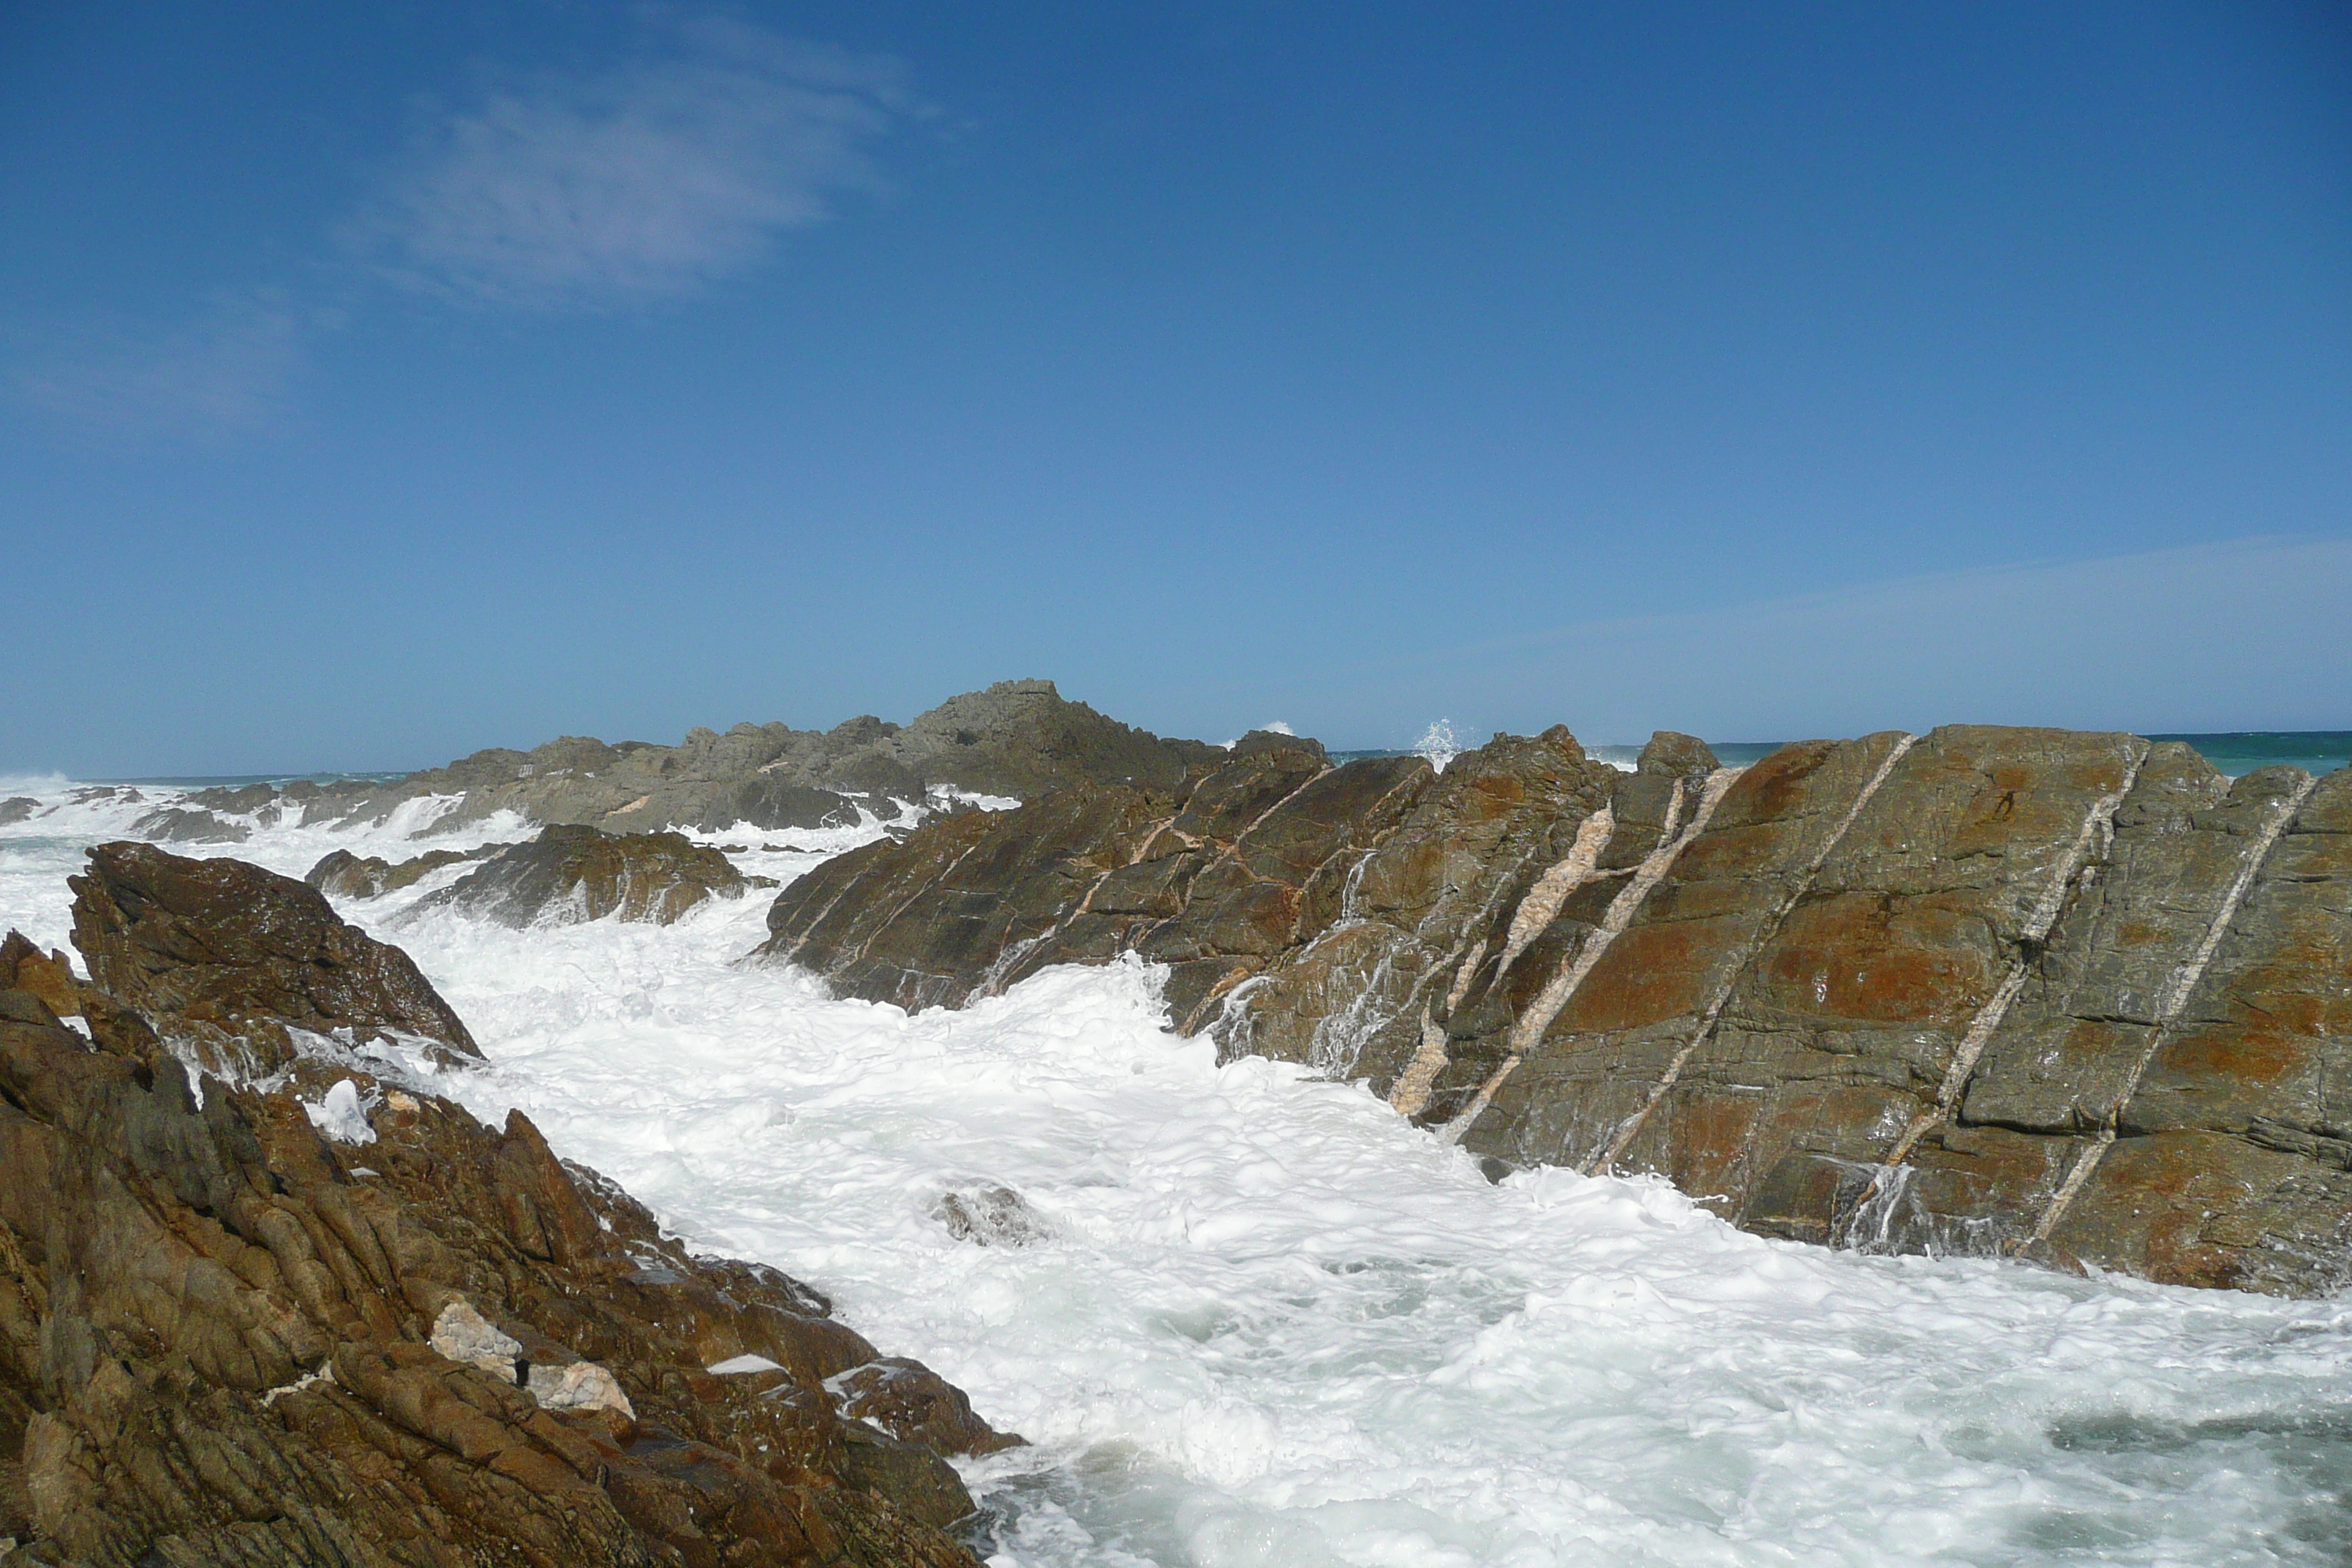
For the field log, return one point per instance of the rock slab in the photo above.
(2044, 993)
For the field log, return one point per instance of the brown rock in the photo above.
(569, 874)
(2027, 993)
(218, 1328)
(228, 957)
(340, 874)
(48, 976)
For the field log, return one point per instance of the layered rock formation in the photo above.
(343, 1323)
(1017, 739)
(2008, 992)
(569, 874)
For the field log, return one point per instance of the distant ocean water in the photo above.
(2234, 753)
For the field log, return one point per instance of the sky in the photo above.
(380, 382)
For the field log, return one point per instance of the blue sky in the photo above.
(377, 383)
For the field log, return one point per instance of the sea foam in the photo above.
(1260, 1320)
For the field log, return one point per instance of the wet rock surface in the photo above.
(341, 874)
(2055, 995)
(227, 959)
(569, 874)
(231, 1334)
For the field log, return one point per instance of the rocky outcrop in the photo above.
(47, 975)
(179, 824)
(1223, 879)
(2008, 991)
(17, 808)
(225, 959)
(340, 874)
(570, 874)
(1018, 739)
(344, 1323)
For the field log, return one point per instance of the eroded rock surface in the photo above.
(569, 874)
(227, 1338)
(2036, 992)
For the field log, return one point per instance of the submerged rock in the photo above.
(226, 1338)
(569, 874)
(989, 1214)
(227, 958)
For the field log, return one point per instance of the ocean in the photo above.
(1267, 1323)
(2233, 753)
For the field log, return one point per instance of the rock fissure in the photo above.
(2177, 993)
(1631, 1128)
(2098, 823)
(1620, 912)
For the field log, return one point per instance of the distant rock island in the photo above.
(1016, 740)
(2067, 996)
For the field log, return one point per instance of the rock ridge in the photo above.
(1015, 740)
(2054, 994)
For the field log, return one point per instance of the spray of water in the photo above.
(1437, 745)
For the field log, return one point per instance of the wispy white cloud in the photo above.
(229, 372)
(647, 180)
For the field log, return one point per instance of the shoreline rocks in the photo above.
(236, 1328)
(340, 874)
(1017, 739)
(2043, 993)
(228, 958)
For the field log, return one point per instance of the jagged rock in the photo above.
(17, 808)
(569, 874)
(1304, 910)
(225, 1338)
(1227, 875)
(177, 824)
(243, 800)
(228, 957)
(916, 1404)
(2015, 992)
(340, 874)
(48, 976)
(1017, 739)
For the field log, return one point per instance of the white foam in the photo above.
(341, 1115)
(1269, 1322)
